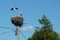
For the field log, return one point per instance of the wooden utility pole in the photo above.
(17, 33)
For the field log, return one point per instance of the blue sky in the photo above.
(32, 10)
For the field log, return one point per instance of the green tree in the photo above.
(46, 32)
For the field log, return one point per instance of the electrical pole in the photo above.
(17, 33)
(18, 22)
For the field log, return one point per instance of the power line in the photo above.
(6, 28)
(24, 36)
(7, 31)
(10, 29)
(14, 31)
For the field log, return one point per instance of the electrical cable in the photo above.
(24, 35)
(10, 29)
(4, 33)
(6, 27)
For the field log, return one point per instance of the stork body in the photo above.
(14, 9)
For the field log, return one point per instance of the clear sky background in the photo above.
(32, 10)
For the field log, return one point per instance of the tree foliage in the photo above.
(46, 32)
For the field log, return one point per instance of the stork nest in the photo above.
(17, 21)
